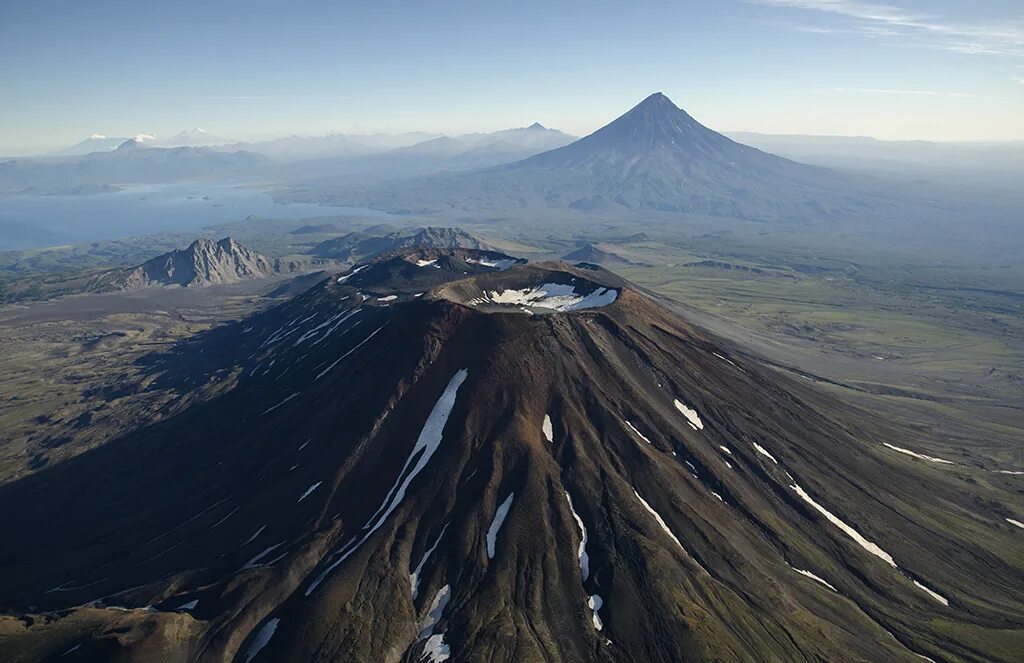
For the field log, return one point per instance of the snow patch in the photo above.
(725, 359)
(262, 638)
(414, 577)
(309, 490)
(253, 537)
(255, 561)
(546, 428)
(638, 433)
(342, 279)
(849, 531)
(357, 346)
(690, 414)
(499, 519)
(661, 521)
(814, 577)
(594, 603)
(271, 409)
(433, 615)
(225, 517)
(312, 332)
(935, 595)
(764, 452)
(930, 459)
(1015, 522)
(556, 296)
(500, 265)
(435, 650)
(581, 552)
(426, 444)
(425, 263)
(725, 449)
(387, 298)
(191, 605)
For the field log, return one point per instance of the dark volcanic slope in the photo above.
(358, 245)
(448, 476)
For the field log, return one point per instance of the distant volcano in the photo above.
(515, 463)
(655, 157)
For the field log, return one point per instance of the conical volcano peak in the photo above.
(654, 127)
(659, 108)
(658, 100)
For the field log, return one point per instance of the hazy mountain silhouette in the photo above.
(654, 157)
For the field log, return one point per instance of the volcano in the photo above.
(654, 158)
(519, 462)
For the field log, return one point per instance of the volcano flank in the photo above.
(448, 454)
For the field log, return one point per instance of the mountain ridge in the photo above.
(203, 262)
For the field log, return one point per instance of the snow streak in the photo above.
(849, 531)
(356, 347)
(581, 552)
(262, 638)
(427, 443)
(638, 433)
(661, 521)
(499, 519)
(414, 577)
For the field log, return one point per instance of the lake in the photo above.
(38, 221)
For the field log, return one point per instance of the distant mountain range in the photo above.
(192, 138)
(101, 143)
(99, 163)
(485, 148)
(655, 157)
(94, 143)
(132, 162)
(984, 162)
(397, 150)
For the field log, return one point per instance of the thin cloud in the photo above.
(918, 93)
(222, 98)
(1003, 39)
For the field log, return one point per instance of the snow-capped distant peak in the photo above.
(140, 140)
(97, 137)
(193, 137)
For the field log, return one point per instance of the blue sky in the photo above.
(942, 69)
